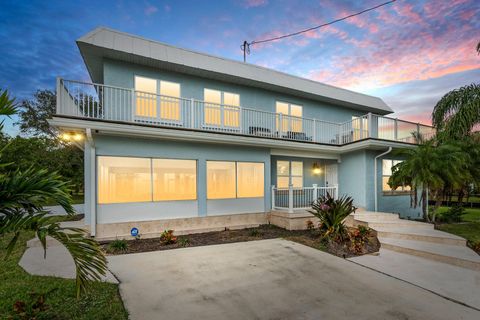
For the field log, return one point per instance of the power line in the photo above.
(246, 45)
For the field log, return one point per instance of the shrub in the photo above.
(254, 233)
(310, 225)
(454, 214)
(167, 237)
(332, 213)
(118, 245)
(183, 242)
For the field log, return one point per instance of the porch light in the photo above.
(316, 168)
(71, 136)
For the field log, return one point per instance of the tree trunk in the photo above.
(424, 199)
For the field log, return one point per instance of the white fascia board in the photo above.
(139, 131)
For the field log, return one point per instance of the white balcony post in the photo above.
(280, 124)
(273, 197)
(290, 198)
(335, 187)
(315, 191)
(314, 130)
(361, 126)
(369, 124)
(395, 130)
(192, 113)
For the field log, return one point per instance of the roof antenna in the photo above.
(245, 47)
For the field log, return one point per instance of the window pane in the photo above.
(250, 181)
(145, 97)
(213, 99)
(385, 186)
(122, 179)
(174, 179)
(297, 168)
(386, 167)
(170, 104)
(282, 182)
(282, 107)
(297, 182)
(283, 168)
(296, 110)
(221, 182)
(296, 124)
(231, 99)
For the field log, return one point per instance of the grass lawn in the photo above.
(468, 229)
(102, 302)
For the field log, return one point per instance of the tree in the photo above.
(34, 114)
(429, 169)
(23, 195)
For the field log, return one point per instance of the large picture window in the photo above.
(229, 179)
(289, 172)
(174, 179)
(124, 179)
(387, 165)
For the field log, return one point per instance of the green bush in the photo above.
(332, 213)
(118, 245)
(454, 214)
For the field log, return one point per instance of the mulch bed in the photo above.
(307, 237)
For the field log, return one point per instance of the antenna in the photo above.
(245, 47)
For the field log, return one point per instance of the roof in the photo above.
(104, 43)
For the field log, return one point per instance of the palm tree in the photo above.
(428, 169)
(458, 112)
(23, 195)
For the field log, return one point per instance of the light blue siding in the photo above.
(122, 74)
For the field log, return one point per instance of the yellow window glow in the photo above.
(250, 179)
(122, 179)
(170, 102)
(174, 179)
(221, 182)
(292, 117)
(145, 97)
(213, 100)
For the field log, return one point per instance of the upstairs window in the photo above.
(221, 108)
(157, 99)
(291, 117)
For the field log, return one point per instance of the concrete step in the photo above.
(419, 234)
(451, 254)
(375, 224)
(376, 216)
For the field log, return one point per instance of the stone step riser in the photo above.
(380, 225)
(434, 256)
(376, 218)
(417, 237)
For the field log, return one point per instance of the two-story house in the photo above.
(176, 139)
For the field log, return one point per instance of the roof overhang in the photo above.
(103, 43)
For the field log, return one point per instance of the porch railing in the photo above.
(292, 199)
(98, 101)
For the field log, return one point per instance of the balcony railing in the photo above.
(291, 199)
(97, 101)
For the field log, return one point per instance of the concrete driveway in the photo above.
(268, 279)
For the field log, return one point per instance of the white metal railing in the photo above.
(98, 101)
(299, 198)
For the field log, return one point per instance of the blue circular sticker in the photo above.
(134, 232)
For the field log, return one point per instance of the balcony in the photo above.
(109, 103)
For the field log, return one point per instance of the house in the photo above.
(192, 142)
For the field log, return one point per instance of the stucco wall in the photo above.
(122, 74)
(117, 146)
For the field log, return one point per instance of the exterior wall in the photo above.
(148, 211)
(356, 179)
(122, 74)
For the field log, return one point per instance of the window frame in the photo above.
(97, 184)
(236, 179)
(400, 190)
(221, 106)
(290, 175)
(291, 118)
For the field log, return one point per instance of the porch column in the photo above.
(290, 198)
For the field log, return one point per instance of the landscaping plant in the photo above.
(332, 213)
(167, 237)
(118, 245)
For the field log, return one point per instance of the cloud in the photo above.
(150, 9)
(254, 3)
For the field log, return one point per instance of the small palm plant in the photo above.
(332, 213)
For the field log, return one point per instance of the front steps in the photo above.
(418, 239)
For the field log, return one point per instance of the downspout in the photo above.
(375, 171)
(93, 201)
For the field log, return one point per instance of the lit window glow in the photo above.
(174, 179)
(387, 165)
(222, 108)
(289, 172)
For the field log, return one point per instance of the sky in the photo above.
(409, 53)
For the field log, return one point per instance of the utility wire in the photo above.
(246, 45)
